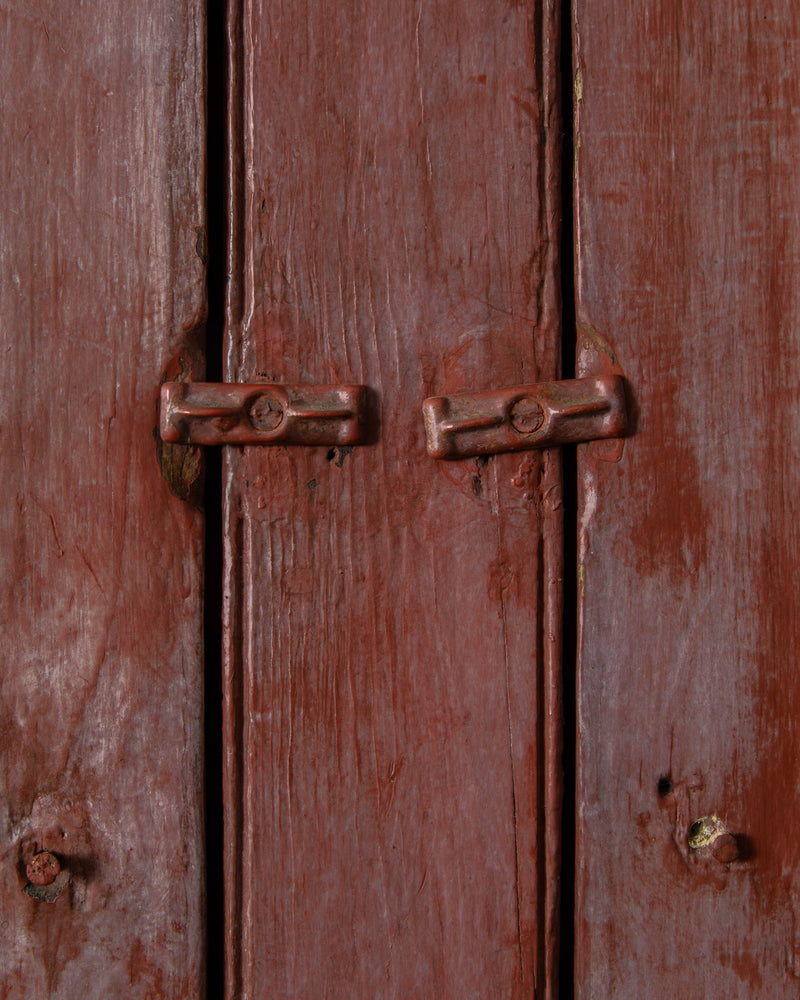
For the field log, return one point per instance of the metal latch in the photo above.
(520, 417)
(262, 413)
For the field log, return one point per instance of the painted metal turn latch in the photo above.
(262, 413)
(521, 417)
(459, 426)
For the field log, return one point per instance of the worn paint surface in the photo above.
(100, 699)
(392, 718)
(688, 140)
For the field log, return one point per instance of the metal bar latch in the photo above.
(525, 416)
(262, 413)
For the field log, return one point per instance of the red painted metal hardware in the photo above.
(262, 413)
(525, 416)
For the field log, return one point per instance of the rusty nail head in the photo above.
(43, 869)
(725, 848)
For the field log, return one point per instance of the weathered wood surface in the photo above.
(100, 682)
(688, 141)
(392, 709)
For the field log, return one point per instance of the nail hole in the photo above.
(338, 455)
(665, 787)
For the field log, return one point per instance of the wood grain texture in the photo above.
(688, 141)
(392, 703)
(101, 174)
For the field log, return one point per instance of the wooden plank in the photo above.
(100, 598)
(688, 140)
(392, 705)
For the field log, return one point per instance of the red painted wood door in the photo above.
(101, 169)
(688, 253)
(393, 641)
(392, 622)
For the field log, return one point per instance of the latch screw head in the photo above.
(526, 415)
(265, 414)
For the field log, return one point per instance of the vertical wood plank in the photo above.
(688, 140)
(392, 702)
(101, 171)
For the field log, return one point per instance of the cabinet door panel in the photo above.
(100, 598)
(689, 272)
(392, 706)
